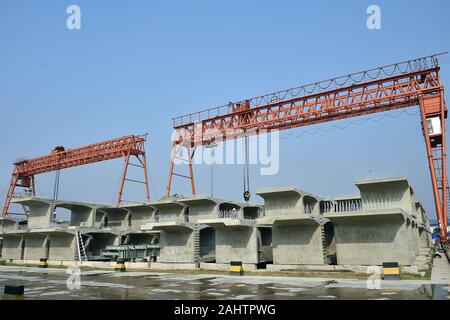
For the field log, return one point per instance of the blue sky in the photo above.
(135, 65)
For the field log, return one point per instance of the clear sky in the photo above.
(136, 64)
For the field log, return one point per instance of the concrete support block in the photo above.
(282, 201)
(372, 240)
(237, 244)
(40, 213)
(297, 244)
(62, 246)
(35, 246)
(177, 246)
(11, 247)
(392, 192)
(115, 217)
(140, 215)
(81, 215)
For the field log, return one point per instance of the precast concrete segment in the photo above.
(115, 217)
(35, 246)
(288, 200)
(297, 240)
(176, 233)
(11, 247)
(236, 239)
(80, 215)
(177, 246)
(385, 210)
(371, 238)
(8, 223)
(387, 193)
(41, 213)
(201, 207)
(62, 246)
(140, 214)
(237, 244)
(294, 217)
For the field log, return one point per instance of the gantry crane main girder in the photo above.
(125, 147)
(405, 84)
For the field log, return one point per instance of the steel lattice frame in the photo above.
(405, 84)
(125, 147)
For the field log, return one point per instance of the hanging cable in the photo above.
(346, 125)
(246, 172)
(56, 186)
(211, 179)
(56, 191)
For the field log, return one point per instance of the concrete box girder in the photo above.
(371, 238)
(288, 201)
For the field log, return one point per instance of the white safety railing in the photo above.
(228, 214)
(349, 205)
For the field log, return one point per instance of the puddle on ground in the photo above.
(137, 286)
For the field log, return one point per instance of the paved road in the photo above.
(441, 270)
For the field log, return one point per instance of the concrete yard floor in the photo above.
(441, 270)
(57, 284)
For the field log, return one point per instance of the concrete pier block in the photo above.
(62, 246)
(40, 211)
(11, 247)
(177, 246)
(237, 244)
(35, 246)
(297, 241)
(371, 238)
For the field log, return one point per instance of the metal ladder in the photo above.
(323, 238)
(196, 244)
(80, 247)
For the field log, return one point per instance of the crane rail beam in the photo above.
(390, 93)
(102, 151)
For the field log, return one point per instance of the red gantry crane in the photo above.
(409, 83)
(25, 170)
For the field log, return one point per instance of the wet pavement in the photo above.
(57, 284)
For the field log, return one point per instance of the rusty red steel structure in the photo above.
(405, 84)
(125, 147)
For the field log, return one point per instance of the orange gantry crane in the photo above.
(126, 147)
(405, 84)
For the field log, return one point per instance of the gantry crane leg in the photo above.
(176, 149)
(433, 116)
